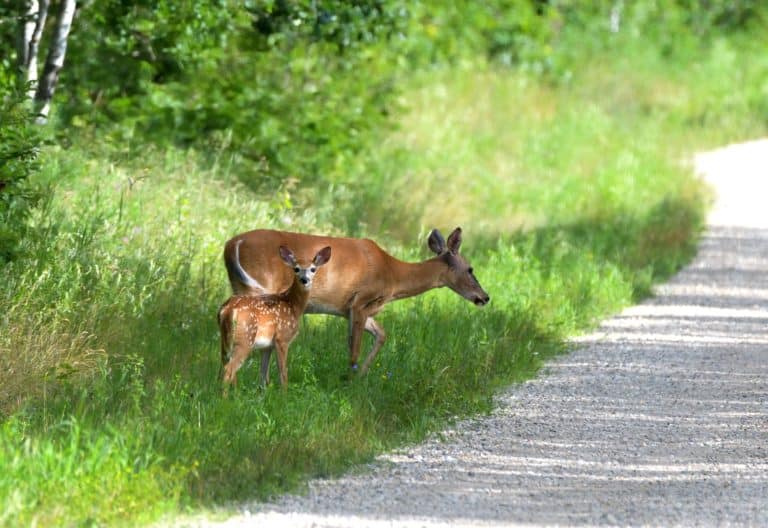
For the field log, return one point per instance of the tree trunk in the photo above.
(25, 34)
(29, 43)
(55, 60)
(615, 18)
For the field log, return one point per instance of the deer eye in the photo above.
(312, 269)
(297, 269)
(470, 270)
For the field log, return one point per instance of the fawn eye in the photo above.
(297, 269)
(312, 269)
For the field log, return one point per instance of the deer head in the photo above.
(459, 275)
(305, 274)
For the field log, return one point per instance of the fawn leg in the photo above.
(239, 355)
(264, 374)
(282, 361)
(225, 329)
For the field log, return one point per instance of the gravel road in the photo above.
(660, 417)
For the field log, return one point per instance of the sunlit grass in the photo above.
(92, 475)
(496, 152)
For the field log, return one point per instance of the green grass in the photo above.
(574, 198)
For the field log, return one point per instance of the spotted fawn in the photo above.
(266, 321)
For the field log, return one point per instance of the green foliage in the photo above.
(295, 90)
(704, 19)
(510, 32)
(286, 89)
(9, 14)
(19, 146)
(348, 25)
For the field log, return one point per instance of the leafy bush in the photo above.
(294, 90)
(19, 145)
(286, 89)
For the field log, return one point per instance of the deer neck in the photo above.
(414, 278)
(296, 296)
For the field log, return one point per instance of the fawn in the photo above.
(266, 321)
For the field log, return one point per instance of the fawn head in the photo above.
(459, 275)
(305, 272)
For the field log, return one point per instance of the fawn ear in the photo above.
(287, 256)
(454, 241)
(436, 242)
(323, 256)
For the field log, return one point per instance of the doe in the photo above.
(267, 321)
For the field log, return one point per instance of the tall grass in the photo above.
(574, 198)
(607, 141)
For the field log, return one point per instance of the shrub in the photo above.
(19, 144)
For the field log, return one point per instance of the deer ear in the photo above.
(454, 241)
(287, 256)
(323, 256)
(436, 242)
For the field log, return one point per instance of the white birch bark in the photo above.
(29, 42)
(27, 29)
(615, 18)
(55, 60)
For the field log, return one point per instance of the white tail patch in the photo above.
(242, 275)
(262, 342)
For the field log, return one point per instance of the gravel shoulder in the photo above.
(660, 417)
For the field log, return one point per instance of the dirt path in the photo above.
(659, 418)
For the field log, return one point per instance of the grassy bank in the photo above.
(574, 198)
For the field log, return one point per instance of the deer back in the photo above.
(356, 263)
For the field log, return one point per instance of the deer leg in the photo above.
(225, 353)
(282, 362)
(226, 342)
(379, 336)
(226, 349)
(264, 372)
(356, 326)
(263, 339)
(239, 355)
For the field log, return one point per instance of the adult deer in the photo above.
(360, 280)
(267, 321)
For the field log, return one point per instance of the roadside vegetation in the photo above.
(557, 136)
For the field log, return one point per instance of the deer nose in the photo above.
(482, 300)
(303, 280)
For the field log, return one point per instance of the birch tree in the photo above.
(40, 89)
(29, 42)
